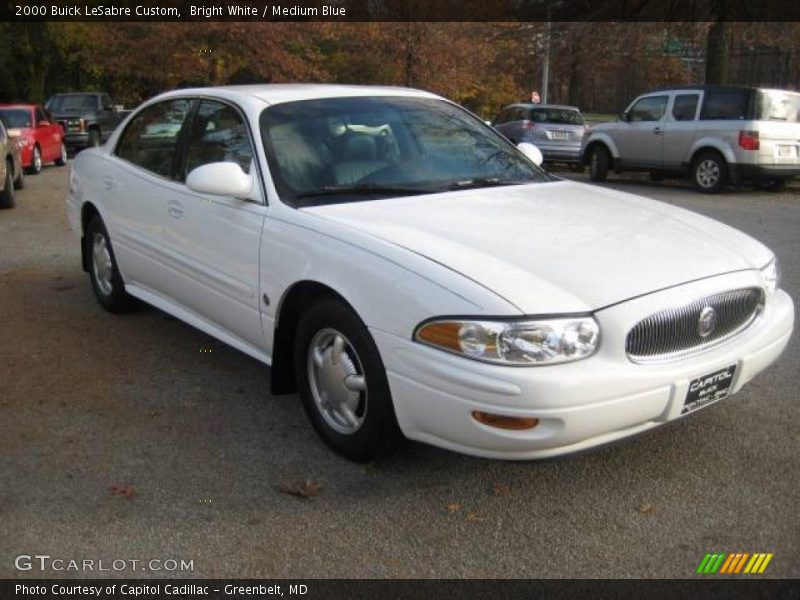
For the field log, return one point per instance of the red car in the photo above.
(40, 137)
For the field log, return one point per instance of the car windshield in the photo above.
(72, 102)
(776, 105)
(558, 116)
(15, 117)
(347, 149)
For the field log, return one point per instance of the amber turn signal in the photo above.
(504, 421)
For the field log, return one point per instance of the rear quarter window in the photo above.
(727, 105)
(774, 105)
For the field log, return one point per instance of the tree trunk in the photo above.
(718, 47)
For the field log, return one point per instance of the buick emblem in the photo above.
(706, 322)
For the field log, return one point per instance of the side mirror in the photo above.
(623, 116)
(532, 153)
(220, 179)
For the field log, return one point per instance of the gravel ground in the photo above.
(138, 437)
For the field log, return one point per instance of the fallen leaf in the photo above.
(475, 517)
(303, 489)
(453, 507)
(501, 490)
(647, 509)
(126, 491)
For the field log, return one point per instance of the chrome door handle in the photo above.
(657, 130)
(175, 210)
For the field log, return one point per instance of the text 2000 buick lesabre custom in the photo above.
(411, 272)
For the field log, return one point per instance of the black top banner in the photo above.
(401, 10)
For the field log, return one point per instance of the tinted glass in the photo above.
(685, 107)
(218, 134)
(503, 117)
(73, 103)
(558, 116)
(151, 138)
(15, 117)
(725, 104)
(394, 142)
(651, 108)
(40, 116)
(776, 105)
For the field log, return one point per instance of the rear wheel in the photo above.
(103, 271)
(62, 157)
(36, 161)
(7, 193)
(343, 383)
(599, 163)
(709, 172)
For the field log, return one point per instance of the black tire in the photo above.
(709, 172)
(7, 193)
(115, 300)
(378, 433)
(599, 163)
(656, 176)
(19, 182)
(62, 158)
(776, 184)
(94, 138)
(36, 161)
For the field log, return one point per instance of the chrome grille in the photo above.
(674, 332)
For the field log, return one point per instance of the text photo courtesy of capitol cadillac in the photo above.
(414, 299)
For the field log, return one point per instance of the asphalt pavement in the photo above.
(139, 438)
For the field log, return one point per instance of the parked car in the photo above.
(556, 130)
(411, 272)
(40, 136)
(12, 176)
(88, 118)
(715, 135)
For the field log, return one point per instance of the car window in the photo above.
(778, 105)
(651, 108)
(16, 117)
(73, 103)
(503, 117)
(685, 107)
(725, 105)
(150, 139)
(218, 134)
(558, 116)
(318, 150)
(40, 116)
(519, 114)
(107, 104)
(2, 132)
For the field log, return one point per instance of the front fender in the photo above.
(602, 137)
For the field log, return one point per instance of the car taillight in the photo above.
(749, 140)
(528, 125)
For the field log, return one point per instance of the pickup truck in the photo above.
(88, 118)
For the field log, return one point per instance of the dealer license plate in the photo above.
(708, 389)
(559, 135)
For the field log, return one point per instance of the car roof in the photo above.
(274, 93)
(19, 105)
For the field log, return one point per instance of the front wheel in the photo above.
(103, 271)
(343, 383)
(599, 163)
(36, 161)
(709, 172)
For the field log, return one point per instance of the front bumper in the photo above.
(74, 139)
(579, 405)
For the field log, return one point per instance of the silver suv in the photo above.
(716, 135)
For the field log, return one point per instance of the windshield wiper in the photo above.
(479, 182)
(363, 188)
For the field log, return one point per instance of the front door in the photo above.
(640, 136)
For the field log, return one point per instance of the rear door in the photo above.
(680, 128)
(640, 138)
(213, 242)
(49, 143)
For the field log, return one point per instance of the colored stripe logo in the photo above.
(734, 563)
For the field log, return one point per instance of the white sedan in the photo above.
(412, 273)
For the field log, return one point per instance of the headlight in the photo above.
(771, 274)
(535, 342)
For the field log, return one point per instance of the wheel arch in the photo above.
(602, 140)
(88, 211)
(708, 144)
(298, 297)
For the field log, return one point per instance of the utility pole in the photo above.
(546, 66)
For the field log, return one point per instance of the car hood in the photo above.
(557, 247)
